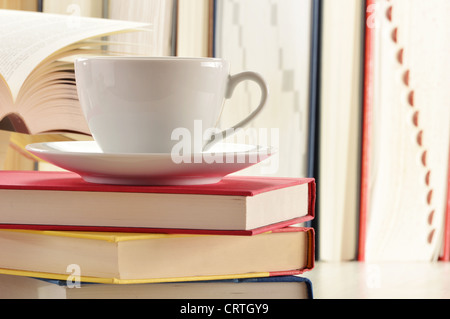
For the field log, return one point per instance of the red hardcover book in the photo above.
(236, 205)
(366, 122)
(446, 250)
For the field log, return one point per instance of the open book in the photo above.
(406, 130)
(37, 80)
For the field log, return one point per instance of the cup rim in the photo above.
(149, 58)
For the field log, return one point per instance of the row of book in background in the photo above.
(360, 94)
(368, 120)
(61, 237)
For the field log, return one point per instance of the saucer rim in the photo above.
(147, 168)
(39, 148)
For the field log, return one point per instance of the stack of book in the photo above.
(61, 237)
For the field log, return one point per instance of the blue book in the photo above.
(281, 287)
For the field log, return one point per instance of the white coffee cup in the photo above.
(134, 104)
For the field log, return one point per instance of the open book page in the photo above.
(410, 137)
(28, 38)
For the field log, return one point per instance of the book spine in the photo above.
(446, 245)
(148, 230)
(366, 122)
(312, 200)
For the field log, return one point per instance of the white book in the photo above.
(273, 38)
(340, 128)
(84, 8)
(159, 13)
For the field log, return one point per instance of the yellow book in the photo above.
(130, 258)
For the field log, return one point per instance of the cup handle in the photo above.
(233, 82)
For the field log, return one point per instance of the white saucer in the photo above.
(94, 166)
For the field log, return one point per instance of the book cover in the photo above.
(125, 258)
(284, 61)
(313, 107)
(445, 255)
(369, 59)
(280, 287)
(240, 205)
(340, 128)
